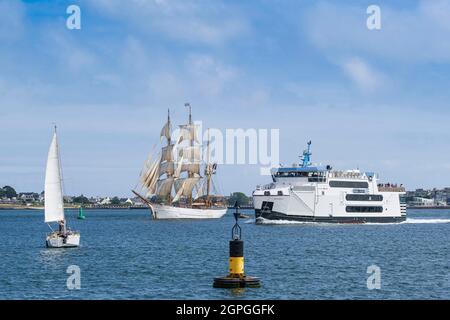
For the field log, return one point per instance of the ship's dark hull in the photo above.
(273, 215)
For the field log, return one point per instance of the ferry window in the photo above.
(280, 193)
(402, 200)
(349, 184)
(363, 209)
(316, 179)
(364, 197)
(266, 206)
(267, 193)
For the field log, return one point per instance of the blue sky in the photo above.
(377, 100)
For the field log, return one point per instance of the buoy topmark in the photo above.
(236, 277)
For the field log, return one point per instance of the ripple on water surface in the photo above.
(126, 255)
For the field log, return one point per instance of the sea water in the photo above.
(126, 255)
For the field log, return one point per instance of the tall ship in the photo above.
(312, 193)
(54, 204)
(178, 183)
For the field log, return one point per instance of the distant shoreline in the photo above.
(15, 207)
(429, 207)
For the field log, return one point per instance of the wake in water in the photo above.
(288, 222)
(427, 220)
(408, 221)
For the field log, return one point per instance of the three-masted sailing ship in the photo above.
(177, 183)
(54, 204)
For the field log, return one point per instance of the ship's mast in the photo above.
(208, 173)
(190, 175)
(187, 104)
(169, 142)
(306, 159)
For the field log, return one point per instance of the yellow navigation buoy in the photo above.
(236, 277)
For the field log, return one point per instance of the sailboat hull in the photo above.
(58, 240)
(168, 212)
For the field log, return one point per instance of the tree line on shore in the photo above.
(9, 192)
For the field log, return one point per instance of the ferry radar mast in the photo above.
(306, 158)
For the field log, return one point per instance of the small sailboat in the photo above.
(54, 205)
(81, 215)
(179, 182)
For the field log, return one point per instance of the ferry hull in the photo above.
(161, 212)
(262, 217)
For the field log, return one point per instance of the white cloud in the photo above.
(65, 49)
(211, 23)
(364, 76)
(406, 35)
(209, 75)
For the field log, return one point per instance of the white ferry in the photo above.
(310, 193)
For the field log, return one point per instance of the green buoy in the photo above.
(81, 215)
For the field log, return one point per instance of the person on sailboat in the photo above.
(61, 226)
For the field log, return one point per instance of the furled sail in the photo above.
(54, 205)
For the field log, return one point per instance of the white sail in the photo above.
(164, 187)
(177, 172)
(146, 170)
(191, 168)
(178, 184)
(165, 131)
(167, 153)
(150, 176)
(179, 168)
(193, 153)
(187, 185)
(54, 206)
(188, 132)
(166, 167)
(200, 189)
(178, 190)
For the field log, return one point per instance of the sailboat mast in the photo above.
(62, 223)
